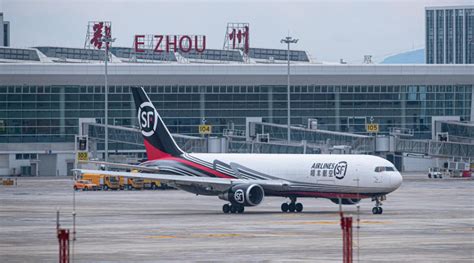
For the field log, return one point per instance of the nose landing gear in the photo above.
(292, 206)
(377, 210)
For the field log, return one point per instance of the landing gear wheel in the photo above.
(292, 207)
(284, 207)
(299, 207)
(240, 209)
(377, 210)
(226, 208)
(233, 209)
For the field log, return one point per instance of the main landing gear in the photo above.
(377, 210)
(233, 208)
(293, 206)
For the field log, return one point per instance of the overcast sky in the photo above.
(328, 30)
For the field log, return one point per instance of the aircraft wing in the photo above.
(211, 184)
(124, 166)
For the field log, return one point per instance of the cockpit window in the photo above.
(380, 169)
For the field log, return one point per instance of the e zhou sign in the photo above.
(170, 43)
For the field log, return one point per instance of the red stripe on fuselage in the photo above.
(153, 153)
(198, 166)
(324, 195)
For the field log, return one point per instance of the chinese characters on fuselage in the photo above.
(337, 170)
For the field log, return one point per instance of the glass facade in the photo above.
(278, 54)
(429, 22)
(18, 54)
(449, 59)
(51, 113)
(449, 35)
(72, 53)
(440, 36)
(147, 55)
(214, 54)
(6, 34)
(470, 36)
(459, 36)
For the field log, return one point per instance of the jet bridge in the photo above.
(128, 140)
(324, 139)
(435, 148)
(454, 131)
(460, 144)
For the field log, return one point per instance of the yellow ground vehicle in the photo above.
(85, 185)
(131, 183)
(105, 182)
(7, 181)
(152, 184)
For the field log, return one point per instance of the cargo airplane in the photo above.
(243, 180)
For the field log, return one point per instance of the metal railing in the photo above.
(131, 138)
(324, 139)
(398, 131)
(127, 138)
(273, 147)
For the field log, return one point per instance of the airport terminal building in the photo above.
(449, 34)
(44, 91)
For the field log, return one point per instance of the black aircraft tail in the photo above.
(158, 140)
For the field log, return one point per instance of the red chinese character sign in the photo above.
(96, 30)
(237, 37)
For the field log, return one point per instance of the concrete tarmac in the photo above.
(423, 221)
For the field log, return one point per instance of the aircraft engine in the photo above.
(346, 201)
(244, 194)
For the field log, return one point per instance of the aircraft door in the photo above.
(379, 175)
(378, 178)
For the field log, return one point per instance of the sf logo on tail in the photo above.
(147, 118)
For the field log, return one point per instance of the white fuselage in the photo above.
(360, 175)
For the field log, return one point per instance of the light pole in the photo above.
(106, 40)
(288, 40)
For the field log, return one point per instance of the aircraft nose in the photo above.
(396, 180)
